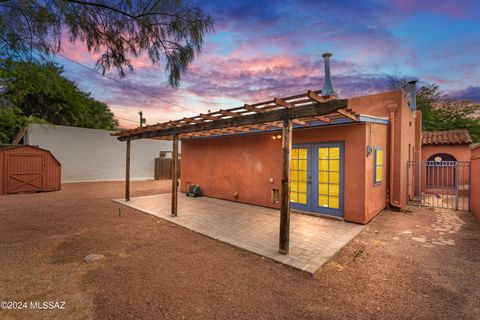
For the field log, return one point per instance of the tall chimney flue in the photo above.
(412, 94)
(327, 81)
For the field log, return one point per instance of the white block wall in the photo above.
(94, 155)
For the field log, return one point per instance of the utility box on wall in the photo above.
(28, 169)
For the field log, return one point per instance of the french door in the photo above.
(316, 178)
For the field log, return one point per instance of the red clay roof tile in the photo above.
(460, 136)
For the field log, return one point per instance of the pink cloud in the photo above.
(457, 9)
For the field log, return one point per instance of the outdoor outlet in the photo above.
(271, 180)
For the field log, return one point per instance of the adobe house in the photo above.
(311, 152)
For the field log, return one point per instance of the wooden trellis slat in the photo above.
(201, 125)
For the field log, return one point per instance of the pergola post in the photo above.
(174, 175)
(285, 187)
(127, 173)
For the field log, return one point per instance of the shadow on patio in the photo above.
(312, 240)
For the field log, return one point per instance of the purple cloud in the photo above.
(471, 94)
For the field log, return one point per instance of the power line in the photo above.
(115, 80)
(125, 119)
(124, 84)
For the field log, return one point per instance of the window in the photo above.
(378, 166)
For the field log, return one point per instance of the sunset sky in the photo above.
(262, 49)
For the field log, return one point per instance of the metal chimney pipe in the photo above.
(412, 94)
(327, 81)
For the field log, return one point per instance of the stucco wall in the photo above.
(250, 165)
(94, 155)
(375, 194)
(380, 105)
(461, 152)
(475, 183)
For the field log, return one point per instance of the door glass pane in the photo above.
(323, 165)
(298, 175)
(334, 190)
(302, 198)
(323, 188)
(333, 202)
(329, 177)
(323, 177)
(302, 153)
(323, 201)
(294, 153)
(293, 196)
(334, 177)
(302, 165)
(323, 153)
(294, 186)
(334, 165)
(334, 153)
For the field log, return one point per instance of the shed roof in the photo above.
(4, 147)
(460, 136)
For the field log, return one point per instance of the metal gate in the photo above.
(439, 184)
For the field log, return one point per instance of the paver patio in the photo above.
(313, 240)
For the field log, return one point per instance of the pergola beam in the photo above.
(254, 109)
(288, 105)
(283, 103)
(316, 109)
(348, 114)
(323, 118)
(229, 113)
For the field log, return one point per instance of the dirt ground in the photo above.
(422, 264)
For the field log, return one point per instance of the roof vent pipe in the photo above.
(412, 94)
(327, 81)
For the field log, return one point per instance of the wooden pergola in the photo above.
(303, 110)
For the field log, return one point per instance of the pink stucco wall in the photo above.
(246, 168)
(475, 183)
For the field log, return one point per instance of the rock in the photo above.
(419, 239)
(94, 257)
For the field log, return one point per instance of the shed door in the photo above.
(24, 173)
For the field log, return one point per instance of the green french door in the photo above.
(316, 178)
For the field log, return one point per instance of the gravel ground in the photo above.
(422, 264)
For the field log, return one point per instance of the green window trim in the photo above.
(378, 166)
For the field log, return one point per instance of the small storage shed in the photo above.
(28, 169)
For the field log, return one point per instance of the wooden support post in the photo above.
(285, 187)
(127, 173)
(174, 175)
